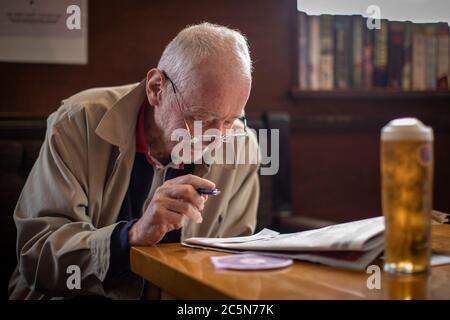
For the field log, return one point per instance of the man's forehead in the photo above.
(218, 79)
(226, 101)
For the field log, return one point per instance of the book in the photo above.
(395, 53)
(314, 51)
(380, 55)
(443, 57)
(368, 57)
(343, 51)
(418, 58)
(303, 47)
(326, 72)
(430, 56)
(407, 57)
(352, 245)
(358, 26)
(340, 52)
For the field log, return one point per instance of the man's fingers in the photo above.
(185, 192)
(185, 208)
(172, 220)
(193, 180)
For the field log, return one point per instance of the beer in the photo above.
(406, 287)
(407, 176)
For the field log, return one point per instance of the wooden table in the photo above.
(186, 273)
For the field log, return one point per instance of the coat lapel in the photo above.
(118, 124)
(117, 127)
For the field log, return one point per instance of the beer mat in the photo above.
(249, 262)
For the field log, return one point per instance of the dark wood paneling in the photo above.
(127, 38)
(336, 175)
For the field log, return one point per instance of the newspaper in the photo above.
(263, 234)
(439, 217)
(362, 235)
(352, 245)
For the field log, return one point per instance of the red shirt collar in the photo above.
(141, 145)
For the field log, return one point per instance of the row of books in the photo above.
(341, 52)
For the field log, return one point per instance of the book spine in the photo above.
(418, 58)
(395, 54)
(349, 50)
(303, 51)
(431, 56)
(342, 42)
(326, 78)
(368, 57)
(314, 51)
(357, 54)
(381, 55)
(443, 63)
(407, 56)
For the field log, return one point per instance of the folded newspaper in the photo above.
(352, 245)
(439, 217)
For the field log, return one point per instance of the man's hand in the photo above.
(172, 202)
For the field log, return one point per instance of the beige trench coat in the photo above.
(69, 205)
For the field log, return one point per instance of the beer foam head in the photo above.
(406, 129)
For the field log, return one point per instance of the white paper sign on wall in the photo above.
(44, 31)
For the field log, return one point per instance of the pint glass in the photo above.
(406, 187)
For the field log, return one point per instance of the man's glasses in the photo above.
(230, 133)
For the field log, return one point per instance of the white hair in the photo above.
(195, 43)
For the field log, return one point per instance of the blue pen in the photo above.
(210, 192)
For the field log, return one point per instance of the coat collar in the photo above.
(118, 124)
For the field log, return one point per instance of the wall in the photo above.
(127, 38)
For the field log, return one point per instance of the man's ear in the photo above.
(153, 86)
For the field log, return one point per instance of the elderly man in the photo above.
(105, 178)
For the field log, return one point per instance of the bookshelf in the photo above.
(338, 57)
(369, 94)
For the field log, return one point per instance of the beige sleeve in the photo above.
(53, 229)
